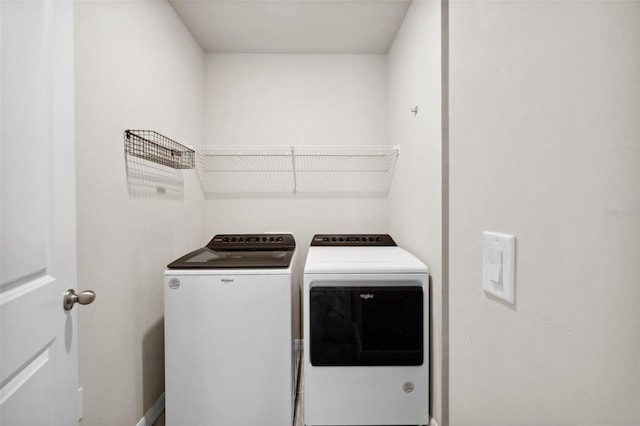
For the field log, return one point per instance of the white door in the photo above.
(38, 348)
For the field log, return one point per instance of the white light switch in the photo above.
(495, 265)
(498, 265)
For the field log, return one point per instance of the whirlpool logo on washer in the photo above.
(366, 296)
(226, 280)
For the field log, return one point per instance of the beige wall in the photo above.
(279, 99)
(415, 197)
(545, 145)
(137, 67)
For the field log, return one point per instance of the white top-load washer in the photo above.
(366, 333)
(229, 348)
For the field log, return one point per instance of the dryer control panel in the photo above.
(353, 240)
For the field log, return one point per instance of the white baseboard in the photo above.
(154, 412)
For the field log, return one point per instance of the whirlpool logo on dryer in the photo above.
(366, 296)
(226, 280)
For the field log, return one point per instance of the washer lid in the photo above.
(248, 251)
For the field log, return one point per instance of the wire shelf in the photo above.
(299, 168)
(153, 146)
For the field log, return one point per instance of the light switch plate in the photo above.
(498, 265)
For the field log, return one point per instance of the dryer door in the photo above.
(366, 326)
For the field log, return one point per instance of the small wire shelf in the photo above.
(298, 168)
(153, 146)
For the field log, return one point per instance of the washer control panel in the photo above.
(224, 242)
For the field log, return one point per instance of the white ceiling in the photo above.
(292, 26)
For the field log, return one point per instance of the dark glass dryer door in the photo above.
(365, 326)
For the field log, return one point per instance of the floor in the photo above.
(299, 413)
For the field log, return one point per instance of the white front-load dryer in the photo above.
(229, 348)
(366, 333)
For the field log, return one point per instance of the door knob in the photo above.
(84, 298)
